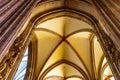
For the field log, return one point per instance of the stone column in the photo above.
(13, 15)
(11, 61)
(110, 51)
(108, 15)
(109, 11)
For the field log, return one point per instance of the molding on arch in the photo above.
(63, 62)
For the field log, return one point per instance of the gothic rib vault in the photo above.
(68, 48)
(66, 39)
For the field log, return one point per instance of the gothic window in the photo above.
(20, 74)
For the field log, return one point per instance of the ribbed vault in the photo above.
(64, 38)
(64, 42)
(67, 47)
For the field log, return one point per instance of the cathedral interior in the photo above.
(59, 40)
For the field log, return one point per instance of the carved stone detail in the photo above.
(112, 54)
(8, 62)
(11, 57)
(111, 49)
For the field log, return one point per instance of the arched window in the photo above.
(20, 74)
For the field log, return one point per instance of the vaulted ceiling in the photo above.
(66, 43)
(68, 48)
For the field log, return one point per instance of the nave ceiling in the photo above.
(66, 45)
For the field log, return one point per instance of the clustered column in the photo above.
(13, 15)
(108, 11)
